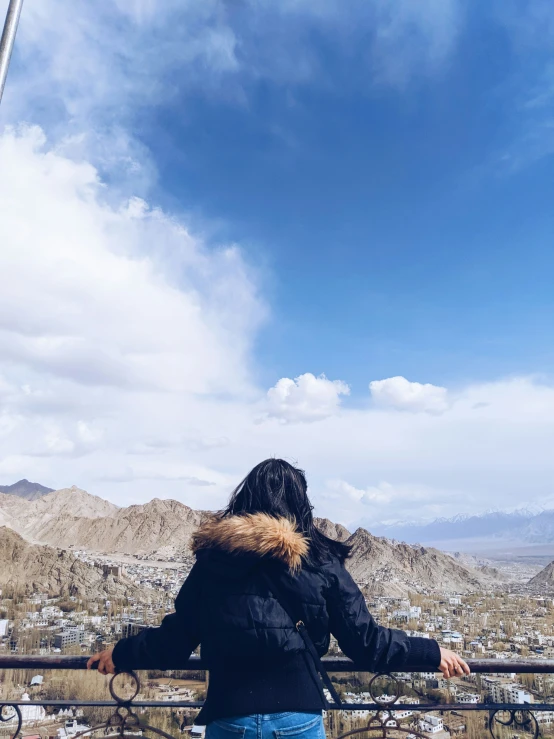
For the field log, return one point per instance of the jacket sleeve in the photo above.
(169, 645)
(374, 647)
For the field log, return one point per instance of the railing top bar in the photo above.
(345, 706)
(332, 664)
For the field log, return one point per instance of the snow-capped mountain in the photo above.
(528, 525)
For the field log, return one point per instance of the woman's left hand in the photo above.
(105, 662)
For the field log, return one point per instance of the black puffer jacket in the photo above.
(257, 659)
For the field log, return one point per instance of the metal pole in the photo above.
(8, 40)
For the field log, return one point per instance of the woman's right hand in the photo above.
(452, 665)
(103, 662)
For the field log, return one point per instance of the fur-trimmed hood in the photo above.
(254, 533)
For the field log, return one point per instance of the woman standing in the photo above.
(256, 562)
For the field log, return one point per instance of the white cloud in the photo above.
(402, 500)
(130, 474)
(307, 398)
(397, 392)
(380, 494)
(85, 298)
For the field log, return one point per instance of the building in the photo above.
(431, 724)
(509, 693)
(407, 614)
(67, 638)
(544, 718)
(51, 611)
(29, 714)
(74, 727)
(114, 570)
(468, 697)
(132, 629)
(452, 637)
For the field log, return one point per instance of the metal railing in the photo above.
(502, 720)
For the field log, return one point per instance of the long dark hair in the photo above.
(279, 489)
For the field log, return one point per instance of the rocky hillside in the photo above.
(484, 566)
(139, 529)
(25, 489)
(387, 568)
(33, 568)
(333, 530)
(74, 518)
(49, 519)
(545, 578)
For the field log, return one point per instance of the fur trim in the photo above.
(257, 533)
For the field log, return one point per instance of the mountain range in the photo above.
(25, 489)
(485, 531)
(75, 519)
(78, 519)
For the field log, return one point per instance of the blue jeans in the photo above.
(268, 726)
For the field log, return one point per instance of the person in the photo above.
(262, 680)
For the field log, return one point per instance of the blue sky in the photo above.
(403, 227)
(320, 230)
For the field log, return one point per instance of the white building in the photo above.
(545, 717)
(29, 714)
(51, 611)
(452, 637)
(509, 693)
(431, 724)
(468, 697)
(73, 727)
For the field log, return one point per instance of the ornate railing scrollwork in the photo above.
(385, 716)
(10, 714)
(518, 720)
(382, 723)
(123, 722)
(389, 679)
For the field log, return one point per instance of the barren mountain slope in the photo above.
(49, 518)
(545, 577)
(392, 569)
(73, 499)
(6, 509)
(333, 530)
(138, 529)
(35, 568)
